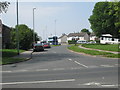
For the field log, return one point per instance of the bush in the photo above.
(71, 41)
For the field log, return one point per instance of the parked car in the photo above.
(38, 47)
(81, 41)
(91, 42)
(46, 45)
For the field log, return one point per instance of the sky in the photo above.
(69, 16)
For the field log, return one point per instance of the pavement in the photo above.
(98, 50)
(26, 54)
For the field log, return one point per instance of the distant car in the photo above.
(82, 42)
(46, 45)
(38, 47)
(92, 42)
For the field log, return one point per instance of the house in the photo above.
(5, 36)
(78, 36)
(93, 37)
(108, 39)
(62, 39)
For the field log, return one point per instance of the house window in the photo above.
(101, 38)
(73, 38)
(112, 39)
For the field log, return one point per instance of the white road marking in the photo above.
(36, 82)
(6, 71)
(93, 66)
(98, 84)
(109, 85)
(20, 71)
(81, 64)
(75, 68)
(70, 59)
(59, 69)
(41, 70)
(107, 65)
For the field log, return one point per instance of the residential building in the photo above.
(5, 36)
(78, 36)
(62, 39)
(108, 39)
(93, 37)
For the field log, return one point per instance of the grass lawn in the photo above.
(112, 47)
(7, 56)
(93, 52)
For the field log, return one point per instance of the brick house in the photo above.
(5, 36)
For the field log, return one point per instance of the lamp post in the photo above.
(33, 27)
(55, 31)
(17, 28)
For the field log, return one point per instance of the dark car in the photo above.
(38, 47)
(46, 45)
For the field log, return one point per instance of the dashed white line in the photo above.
(36, 82)
(81, 64)
(70, 59)
(59, 69)
(106, 65)
(42, 70)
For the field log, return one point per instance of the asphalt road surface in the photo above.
(58, 67)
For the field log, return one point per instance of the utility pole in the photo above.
(17, 28)
(33, 27)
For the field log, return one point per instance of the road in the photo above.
(58, 67)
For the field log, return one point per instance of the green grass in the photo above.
(112, 47)
(93, 52)
(11, 60)
(8, 54)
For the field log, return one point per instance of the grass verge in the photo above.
(108, 47)
(7, 56)
(93, 52)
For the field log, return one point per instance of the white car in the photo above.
(81, 41)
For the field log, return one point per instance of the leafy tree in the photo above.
(85, 30)
(4, 6)
(25, 37)
(106, 18)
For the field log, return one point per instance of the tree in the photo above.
(25, 37)
(4, 6)
(105, 18)
(85, 30)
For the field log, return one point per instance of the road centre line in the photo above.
(42, 70)
(70, 59)
(59, 69)
(36, 82)
(106, 65)
(81, 64)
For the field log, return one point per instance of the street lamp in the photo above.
(17, 28)
(33, 27)
(55, 32)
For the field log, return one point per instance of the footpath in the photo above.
(98, 50)
(26, 54)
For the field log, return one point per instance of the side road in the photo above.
(98, 50)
